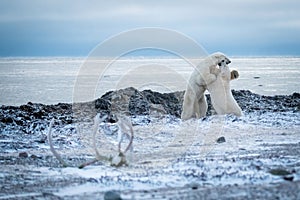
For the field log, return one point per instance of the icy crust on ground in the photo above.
(169, 157)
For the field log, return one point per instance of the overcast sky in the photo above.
(74, 28)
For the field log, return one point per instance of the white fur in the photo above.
(194, 103)
(220, 93)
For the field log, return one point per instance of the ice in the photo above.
(52, 80)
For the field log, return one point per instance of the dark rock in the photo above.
(7, 120)
(39, 114)
(296, 95)
(279, 172)
(138, 104)
(112, 195)
(102, 104)
(194, 188)
(64, 106)
(171, 102)
(221, 139)
(23, 155)
(19, 122)
(288, 178)
(193, 185)
(35, 156)
(26, 108)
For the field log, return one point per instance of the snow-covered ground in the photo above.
(256, 155)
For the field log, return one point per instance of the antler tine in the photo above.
(125, 126)
(57, 156)
(97, 122)
(129, 125)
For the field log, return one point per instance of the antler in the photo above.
(125, 126)
(49, 136)
(97, 122)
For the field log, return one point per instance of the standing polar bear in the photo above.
(220, 92)
(206, 73)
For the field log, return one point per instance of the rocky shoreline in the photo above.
(132, 102)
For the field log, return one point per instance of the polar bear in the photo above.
(194, 103)
(219, 106)
(220, 92)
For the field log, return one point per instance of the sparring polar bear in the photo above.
(216, 96)
(220, 92)
(194, 103)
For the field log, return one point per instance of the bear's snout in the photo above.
(227, 61)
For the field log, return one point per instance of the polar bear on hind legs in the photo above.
(206, 72)
(220, 92)
(221, 96)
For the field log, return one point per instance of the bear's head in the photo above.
(219, 58)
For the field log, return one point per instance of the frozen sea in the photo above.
(59, 79)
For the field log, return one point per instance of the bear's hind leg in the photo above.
(202, 104)
(188, 106)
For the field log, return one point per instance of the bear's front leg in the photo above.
(210, 78)
(214, 71)
(225, 72)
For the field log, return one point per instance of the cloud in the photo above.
(243, 24)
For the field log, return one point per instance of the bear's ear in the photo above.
(234, 74)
